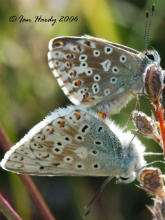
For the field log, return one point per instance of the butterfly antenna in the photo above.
(96, 197)
(147, 16)
(148, 164)
(149, 26)
(152, 153)
(156, 161)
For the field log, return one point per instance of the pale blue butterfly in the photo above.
(93, 71)
(75, 141)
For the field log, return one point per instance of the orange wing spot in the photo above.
(71, 56)
(43, 138)
(56, 164)
(70, 64)
(102, 114)
(86, 96)
(74, 73)
(51, 131)
(62, 123)
(78, 83)
(78, 116)
(40, 146)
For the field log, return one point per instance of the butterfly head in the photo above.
(134, 161)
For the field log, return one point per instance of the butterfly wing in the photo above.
(91, 70)
(68, 142)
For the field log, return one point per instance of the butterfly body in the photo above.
(93, 71)
(74, 141)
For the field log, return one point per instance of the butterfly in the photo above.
(75, 141)
(92, 71)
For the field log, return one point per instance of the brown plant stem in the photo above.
(7, 210)
(27, 180)
(159, 114)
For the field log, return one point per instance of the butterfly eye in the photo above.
(123, 179)
(150, 56)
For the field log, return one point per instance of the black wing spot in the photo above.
(84, 128)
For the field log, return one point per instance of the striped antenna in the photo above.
(149, 26)
(96, 197)
(147, 16)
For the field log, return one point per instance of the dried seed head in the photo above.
(146, 125)
(153, 82)
(158, 210)
(152, 181)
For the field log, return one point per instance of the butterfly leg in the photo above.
(130, 117)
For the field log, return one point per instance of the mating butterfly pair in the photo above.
(75, 141)
(90, 71)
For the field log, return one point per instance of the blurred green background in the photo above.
(29, 91)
